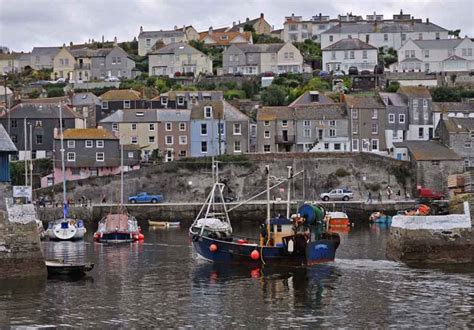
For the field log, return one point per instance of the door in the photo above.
(399, 156)
(169, 155)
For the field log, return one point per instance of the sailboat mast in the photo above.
(62, 156)
(24, 157)
(121, 174)
(267, 169)
(288, 199)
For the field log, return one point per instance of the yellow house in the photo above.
(63, 65)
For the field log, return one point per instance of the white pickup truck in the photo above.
(338, 194)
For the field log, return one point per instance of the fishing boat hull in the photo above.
(60, 268)
(318, 251)
(117, 237)
(118, 228)
(337, 219)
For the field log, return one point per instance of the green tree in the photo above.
(309, 49)
(454, 33)
(393, 87)
(274, 95)
(445, 94)
(161, 85)
(54, 92)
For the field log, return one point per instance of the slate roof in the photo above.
(217, 37)
(120, 95)
(172, 95)
(454, 58)
(364, 102)
(177, 48)
(161, 34)
(453, 107)
(6, 144)
(349, 44)
(438, 44)
(87, 52)
(415, 91)
(139, 116)
(51, 100)
(231, 113)
(115, 117)
(305, 99)
(173, 115)
(236, 27)
(79, 99)
(320, 112)
(260, 48)
(40, 110)
(394, 99)
(459, 125)
(88, 134)
(275, 113)
(428, 150)
(197, 111)
(384, 27)
(44, 51)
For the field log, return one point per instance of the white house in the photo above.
(435, 55)
(148, 39)
(347, 53)
(386, 33)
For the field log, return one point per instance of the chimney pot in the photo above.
(175, 27)
(141, 28)
(233, 23)
(247, 19)
(427, 20)
(262, 15)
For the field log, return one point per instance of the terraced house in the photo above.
(276, 129)
(347, 53)
(420, 119)
(147, 40)
(173, 133)
(118, 99)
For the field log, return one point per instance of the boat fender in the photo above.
(213, 248)
(195, 238)
(291, 246)
(141, 237)
(255, 255)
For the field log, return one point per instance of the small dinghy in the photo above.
(58, 267)
(164, 224)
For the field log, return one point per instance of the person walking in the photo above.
(389, 192)
(380, 196)
(369, 197)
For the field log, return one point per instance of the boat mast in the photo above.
(288, 202)
(121, 175)
(267, 169)
(24, 157)
(62, 158)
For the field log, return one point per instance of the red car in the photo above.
(430, 194)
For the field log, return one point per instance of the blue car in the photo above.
(145, 198)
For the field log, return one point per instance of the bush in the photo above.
(274, 95)
(341, 172)
(372, 186)
(234, 94)
(393, 87)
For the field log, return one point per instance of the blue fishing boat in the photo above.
(379, 217)
(299, 240)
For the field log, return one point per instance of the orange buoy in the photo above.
(213, 248)
(255, 255)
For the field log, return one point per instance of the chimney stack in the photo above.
(103, 38)
(247, 20)
(427, 20)
(115, 41)
(233, 23)
(175, 27)
(210, 30)
(262, 15)
(141, 28)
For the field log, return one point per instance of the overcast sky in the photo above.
(28, 23)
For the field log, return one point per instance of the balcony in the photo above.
(83, 66)
(285, 139)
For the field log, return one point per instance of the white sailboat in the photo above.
(65, 228)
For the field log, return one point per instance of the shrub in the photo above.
(341, 172)
(372, 186)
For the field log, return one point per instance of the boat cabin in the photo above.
(280, 227)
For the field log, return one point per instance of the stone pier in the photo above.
(437, 239)
(20, 247)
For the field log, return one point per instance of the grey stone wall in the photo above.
(435, 176)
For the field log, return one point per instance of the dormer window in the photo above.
(164, 101)
(180, 100)
(224, 37)
(105, 104)
(284, 123)
(208, 112)
(126, 104)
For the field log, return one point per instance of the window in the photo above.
(39, 123)
(169, 139)
(183, 139)
(130, 154)
(375, 114)
(39, 139)
(207, 112)
(427, 53)
(134, 127)
(168, 126)
(421, 132)
(401, 118)
(203, 129)
(352, 54)
(307, 123)
(307, 132)
(99, 143)
(284, 123)
(71, 156)
(364, 54)
(467, 144)
(237, 129)
(355, 129)
(126, 104)
(425, 104)
(404, 37)
(286, 55)
(266, 148)
(385, 37)
(333, 55)
(292, 55)
(472, 134)
(425, 115)
(151, 139)
(332, 123)
(164, 101)
(331, 38)
(412, 53)
(266, 134)
(346, 54)
(134, 140)
(180, 100)
(70, 143)
(14, 138)
(151, 127)
(391, 118)
(237, 146)
(266, 123)
(105, 104)
(407, 53)
(320, 134)
(182, 153)
(435, 162)
(337, 146)
(115, 127)
(375, 128)
(415, 103)
(355, 114)
(437, 35)
(332, 132)
(355, 145)
(326, 146)
(182, 126)
(99, 156)
(375, 144)
(13, 123)
(89, 143)
(203, 147)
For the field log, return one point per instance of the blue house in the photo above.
(6, 148)
(207, 129)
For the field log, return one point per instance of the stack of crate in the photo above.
(456, 184)
(469, 181)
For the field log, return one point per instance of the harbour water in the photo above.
(160, 283)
